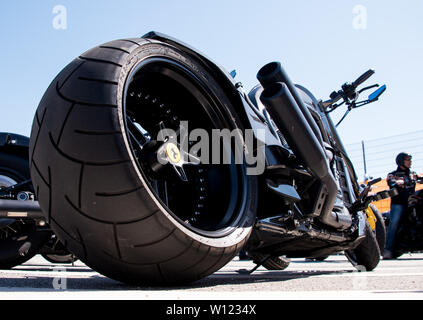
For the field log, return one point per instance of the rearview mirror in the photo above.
(376, 94)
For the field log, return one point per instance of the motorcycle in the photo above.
(22, 234)
(138, 197)
(409, 236)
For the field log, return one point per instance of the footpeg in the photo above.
(284, 190)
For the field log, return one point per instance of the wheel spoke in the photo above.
(190, 159)
(136, 134)
(173, 153)
(162, 191)
(180, 172)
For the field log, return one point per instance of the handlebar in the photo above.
(349, 95)
(363, 77)
(365, 199)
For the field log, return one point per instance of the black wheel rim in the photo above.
(161, 92)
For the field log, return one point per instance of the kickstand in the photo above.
(258, 265)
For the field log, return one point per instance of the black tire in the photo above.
(366, 255)
(60, 258)
(54, 252)
(95, 186)
(380, 230)
(273, 263)
(19, 240)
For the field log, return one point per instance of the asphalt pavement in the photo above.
(334, 278)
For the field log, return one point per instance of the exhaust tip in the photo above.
(268, 73)
(273, 90)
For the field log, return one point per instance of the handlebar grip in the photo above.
(374, 181)
(363, 77)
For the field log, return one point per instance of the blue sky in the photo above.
(316, 41)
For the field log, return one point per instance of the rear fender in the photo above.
(250, 116)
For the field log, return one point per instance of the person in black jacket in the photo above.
(404, 180)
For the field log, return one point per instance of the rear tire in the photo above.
(95, 187)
